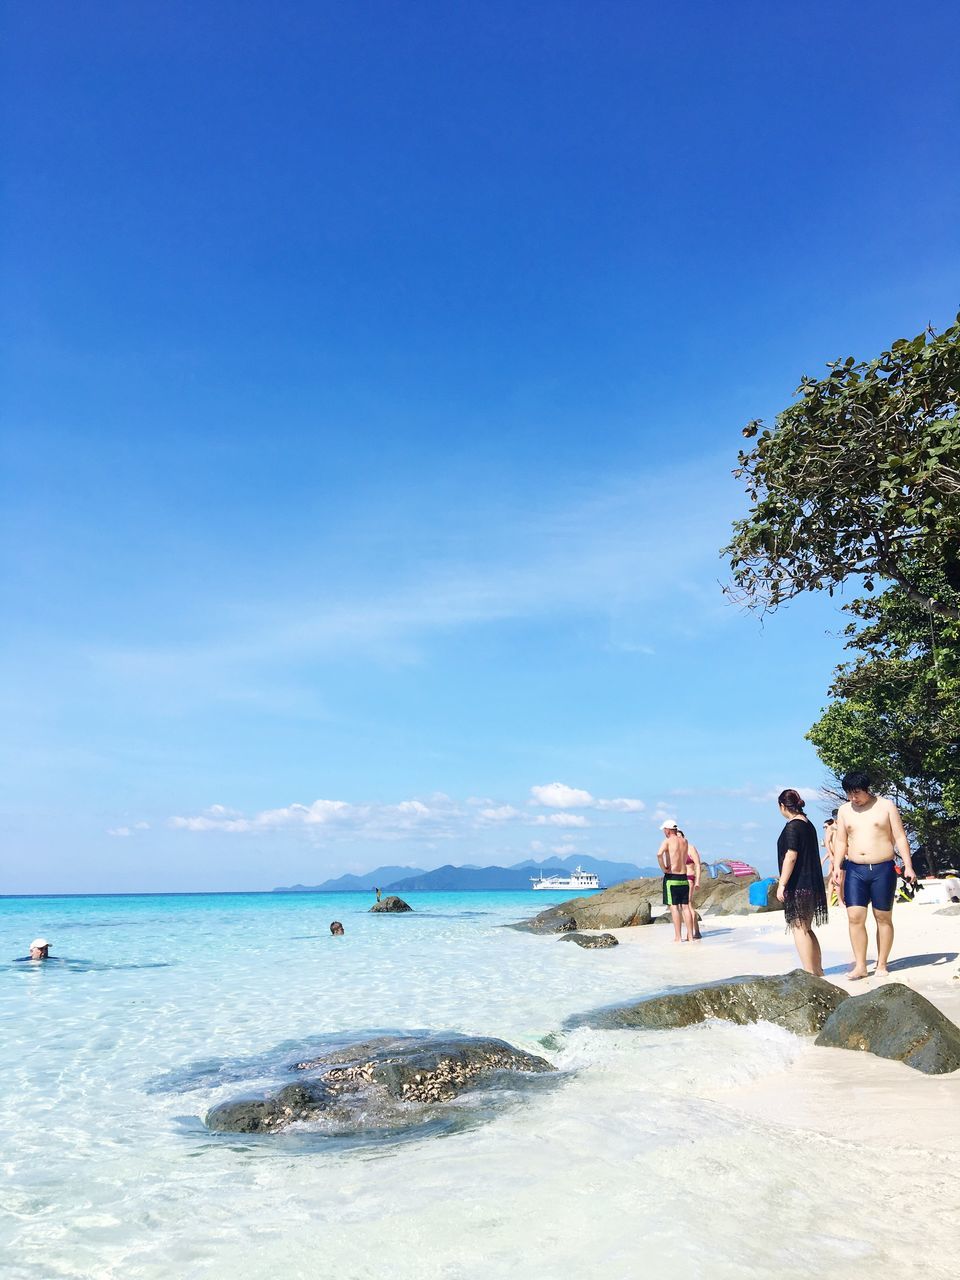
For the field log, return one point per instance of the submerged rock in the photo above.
(391, 903)
(371, 1084)
(796, 1000)
(895, 1022)
(591, 940)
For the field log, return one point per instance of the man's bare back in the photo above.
(672, 854)
(869, 833)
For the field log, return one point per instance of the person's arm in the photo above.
(839, 847)
(662, 856)
(900, 842)
(786, 871)
(694, 853)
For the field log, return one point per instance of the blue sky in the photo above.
(372, 378)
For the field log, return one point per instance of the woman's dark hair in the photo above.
(791, 800)
(856, 780)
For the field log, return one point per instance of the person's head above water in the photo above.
(336, 927)
(856, 784)
(39, 949)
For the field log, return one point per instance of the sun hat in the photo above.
(38, 944)
(671, 824)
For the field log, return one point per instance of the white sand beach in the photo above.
(856, 1096)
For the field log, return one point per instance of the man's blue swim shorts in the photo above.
(867, 884)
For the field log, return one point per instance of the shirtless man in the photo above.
(672, 857)
(827, 861)
(869, 831)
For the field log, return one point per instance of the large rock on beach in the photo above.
(797, 1001)
(592, 941)
(633, 902)
(952, 910)
(371, 1084)
(391, 903)
(895, 1022)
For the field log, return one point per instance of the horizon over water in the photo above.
(166, 1004)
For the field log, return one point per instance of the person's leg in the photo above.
(803, 941)
(884, 921)
(675, 914)
(857, 926)
(690, 920)
(817, 956)
(696, 923)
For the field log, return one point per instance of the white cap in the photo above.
(671, 824)
(38, 944)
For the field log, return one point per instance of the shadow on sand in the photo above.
(914, 962)
(907, 962)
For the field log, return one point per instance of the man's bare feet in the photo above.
(855, 975)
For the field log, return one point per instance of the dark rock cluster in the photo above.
(633, 902)
(391, 903)
(796, 1000)
(369, 1084)
(592, 941)
(895, 1022)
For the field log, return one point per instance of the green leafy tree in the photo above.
(859, 478)
(897, 711)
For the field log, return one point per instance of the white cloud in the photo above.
(557, 795)
(563, 849)
(749, 826)
(377, 821)
(622, 805)
(501, 813)
(141, 826)
(118, 831)
(560, 820)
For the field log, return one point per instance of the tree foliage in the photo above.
(860, 477)
(897, 710)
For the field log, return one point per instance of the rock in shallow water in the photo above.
(895, 1022)
(796, 1000)
(592, 941)
(372, 1084)
(391, 903)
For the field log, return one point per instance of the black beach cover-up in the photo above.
(804, 895)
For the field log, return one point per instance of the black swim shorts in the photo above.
(676, 890)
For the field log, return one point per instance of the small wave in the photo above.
(63, 964)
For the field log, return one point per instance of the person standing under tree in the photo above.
(800, 887)
(869, 833)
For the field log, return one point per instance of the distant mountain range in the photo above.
(370, 880)
(461, 879)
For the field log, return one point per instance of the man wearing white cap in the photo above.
(672, 857)
(39, 949)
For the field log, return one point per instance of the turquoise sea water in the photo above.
(159, 1007)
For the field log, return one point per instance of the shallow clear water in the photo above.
(171, 1004)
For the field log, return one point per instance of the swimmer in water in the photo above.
(39, 949)
(336, 928)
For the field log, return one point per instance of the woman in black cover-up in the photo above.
(801, 888)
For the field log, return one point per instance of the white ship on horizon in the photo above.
(578, 879)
